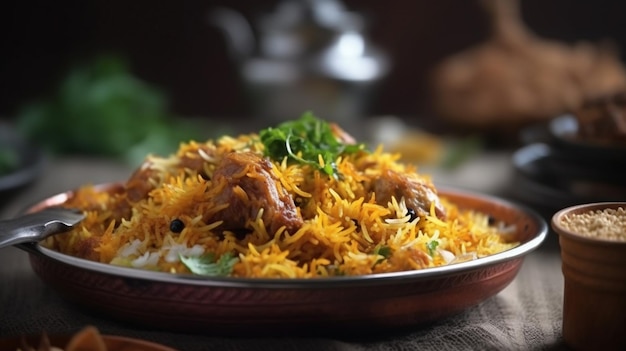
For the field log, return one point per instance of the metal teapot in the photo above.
(307, 55)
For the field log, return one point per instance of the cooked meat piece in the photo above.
(418, 196)
(409, 259)
(196, 160)
(251, 186)
(121, 210)
(86, 248)
(603, 120)
(138, 185)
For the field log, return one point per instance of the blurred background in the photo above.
(128, 78)
(172, 45)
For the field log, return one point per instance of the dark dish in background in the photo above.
(559, 166)
(21, 162)
(550, 179)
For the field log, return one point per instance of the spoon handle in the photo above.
(37, 226)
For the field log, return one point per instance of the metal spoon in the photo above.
(37, 226)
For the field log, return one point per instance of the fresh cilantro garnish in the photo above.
(305, 140)
(208, 265)
(384, 251)
(432, 246)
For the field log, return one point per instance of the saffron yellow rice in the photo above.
(345, 232)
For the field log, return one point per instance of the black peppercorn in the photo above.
(411, 212)
(177, 226)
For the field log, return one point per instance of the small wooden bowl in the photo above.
(594, 271)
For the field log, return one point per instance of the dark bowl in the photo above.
(28, 162)
(564, 131)
(230, 306)
(553, 162)
(548, 177)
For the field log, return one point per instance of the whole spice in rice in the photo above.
(608, 224)
(177, 226)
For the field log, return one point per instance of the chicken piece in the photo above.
(603, 120)
(251, 187)
(409, 259)
(138, 185)
(418, 195)
(197, 159)
(86, 248)
(142, 181)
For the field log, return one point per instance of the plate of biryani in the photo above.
(298, 228)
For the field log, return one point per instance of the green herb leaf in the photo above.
(208, 265)
(305, 140)
(384, 251)
(432, 247)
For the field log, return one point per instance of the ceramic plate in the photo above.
(232, 306)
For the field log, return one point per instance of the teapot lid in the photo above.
(328, 14)
(301, 27)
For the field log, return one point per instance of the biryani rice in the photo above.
(345, 231)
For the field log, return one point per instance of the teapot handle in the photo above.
(238, 32)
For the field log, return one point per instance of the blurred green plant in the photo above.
(8, 160)
(461, 150)
(101, 108)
